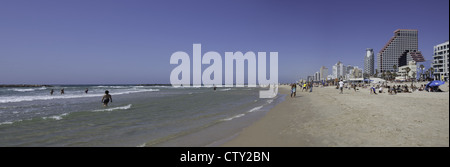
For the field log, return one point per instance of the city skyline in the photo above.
(123, 42)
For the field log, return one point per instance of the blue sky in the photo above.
(127, 42)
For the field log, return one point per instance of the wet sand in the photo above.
(327, 118)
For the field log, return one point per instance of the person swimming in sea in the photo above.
(62, 91)
(106, 98)
(86, 91)
(51, 92)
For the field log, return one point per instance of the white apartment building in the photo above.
(323, 73)
(404, 74)
(440, 61)
(338, 70)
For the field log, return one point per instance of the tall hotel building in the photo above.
(369, 62)
(440, 61)
(400, 49)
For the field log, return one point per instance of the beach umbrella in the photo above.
(436, 83)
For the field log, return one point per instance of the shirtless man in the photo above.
(106, 98)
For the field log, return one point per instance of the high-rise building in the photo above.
(317, 76)
(323, 73)
(396, 49)
(369, 62)
(440, 61)
(338, 70)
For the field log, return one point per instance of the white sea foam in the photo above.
(117, 87)
(255, 109)
(26, 89)
(10, 99)
(141, 145)
(6, 123)
(227, 89)
(115, 108)
(56, 117)
(233, 117)
(269, 101)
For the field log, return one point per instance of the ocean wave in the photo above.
(115, 87)
(6, 123)
(233, 117)
(26, 89)
(115, 108)
(10, 122)
(10, 99)
(56, 117)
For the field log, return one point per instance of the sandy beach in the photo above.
(327, 118)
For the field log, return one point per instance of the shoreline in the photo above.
(327, 118)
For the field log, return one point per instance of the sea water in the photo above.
(138, 115)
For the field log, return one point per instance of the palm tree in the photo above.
(389, 75)
(421, 75)
(407, 69)
(432, 72)
(395, 69)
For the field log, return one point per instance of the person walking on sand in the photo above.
(304, 87)
(106, 98)
(62, 91)
(341, 87)
(310, 87)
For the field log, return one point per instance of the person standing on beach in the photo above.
(341, 87)
(310, 87)
(62, 91)
(106, 98)
(293, 90)
(304, 87)
(51, 92)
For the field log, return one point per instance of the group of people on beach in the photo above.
(105, 99)
(378, 88)
(303, 86)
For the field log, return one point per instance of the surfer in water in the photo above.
(106, 98)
